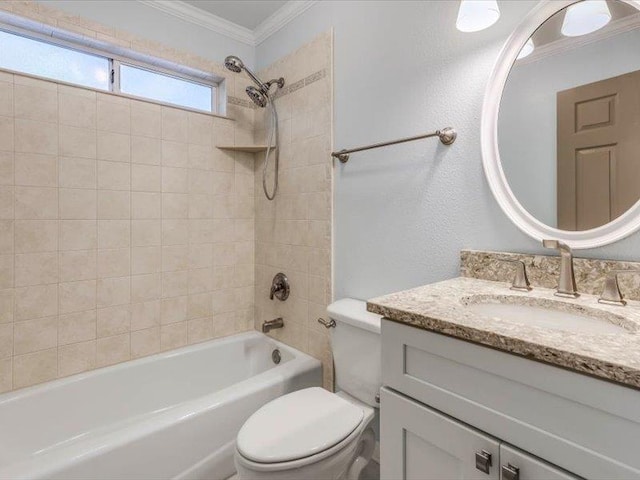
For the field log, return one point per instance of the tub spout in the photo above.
(269, 325)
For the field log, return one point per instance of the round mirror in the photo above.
(561, 122)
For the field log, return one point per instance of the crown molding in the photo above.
(280, 18)
(197, 16)
(616, 27)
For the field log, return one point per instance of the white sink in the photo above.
(547, 316)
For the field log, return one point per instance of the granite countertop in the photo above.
(441, 308)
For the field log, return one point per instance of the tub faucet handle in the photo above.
(279, 287)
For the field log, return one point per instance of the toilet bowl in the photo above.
(313, 434)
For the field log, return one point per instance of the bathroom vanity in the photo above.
(474, 390)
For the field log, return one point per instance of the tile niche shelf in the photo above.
(244, 148)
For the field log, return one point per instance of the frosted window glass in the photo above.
(164, 88)
(43, 59)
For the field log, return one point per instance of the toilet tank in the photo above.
(355, 342)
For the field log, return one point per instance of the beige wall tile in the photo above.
(145, 287)
(174, 124)
(36, 170)
(199, 129)
(145, 205)
(113, 205)
(77, 172)
(6, 340)
(77, 296)
(175, 154)
(76, 358)
(145, 342)
(6, 168)
(112, 350)
(78, 234)
(7, 200)
(175, 180)
(114, 233)
(173, 310)
(145, 315)
(36, 302)
(36, 236)
(146, 178)
(6, 99)
(6, 374)
(6, 271)
(173, 336)
(114, 262)
(145, 232)
(77, 110)
(114, 175)
(33, 335)
(113, 116)
(77, 265)
(36, 102)
(175, 232)
(114, 320)
(199, 330)
(7, 135)
(77, 204)
(35, 367)
(146, 150)
(6, 236)
(77, 327)
(36, 203)
(146, 119)
(36, 269)
(77, 142)
(114, 291)
(113, 147)
(145, 259)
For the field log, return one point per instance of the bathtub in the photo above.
(170, 416)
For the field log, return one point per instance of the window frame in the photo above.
(114, 63)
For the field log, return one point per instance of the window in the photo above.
(145, 83)
(23, 54)
(103, 72)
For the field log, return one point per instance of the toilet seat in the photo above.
(298, 425)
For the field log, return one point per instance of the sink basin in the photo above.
(549, 314)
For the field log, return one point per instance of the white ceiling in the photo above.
(247, 13)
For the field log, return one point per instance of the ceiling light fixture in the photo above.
(476, 15)
(527, 49)
(585, 17)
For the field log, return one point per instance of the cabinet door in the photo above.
(518, 465)
(422, 444)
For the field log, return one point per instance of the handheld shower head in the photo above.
(257, 96)
(233, 63)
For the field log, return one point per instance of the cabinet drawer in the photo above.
(518, 465)
(419, 443)
(584, 425)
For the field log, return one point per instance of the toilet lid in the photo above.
(298, 425)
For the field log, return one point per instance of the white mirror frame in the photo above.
(625, 225)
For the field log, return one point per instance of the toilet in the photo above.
(314, 434)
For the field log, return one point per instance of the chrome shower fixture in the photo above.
(261, 97)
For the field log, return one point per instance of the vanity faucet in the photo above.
(567, 281)
(611, 294)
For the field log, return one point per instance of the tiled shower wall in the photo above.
(293, 232)
(123, 230)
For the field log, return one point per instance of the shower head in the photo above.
(233, 63)
(258, 97)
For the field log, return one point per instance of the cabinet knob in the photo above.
(510, 472)
(483, 461)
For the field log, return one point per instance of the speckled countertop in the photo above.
(441, 307)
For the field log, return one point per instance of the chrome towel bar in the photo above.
(447, 136)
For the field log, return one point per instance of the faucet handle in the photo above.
(611, 294)
(520, 281)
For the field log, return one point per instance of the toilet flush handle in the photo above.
(330, 324)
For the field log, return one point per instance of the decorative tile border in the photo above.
(543, 271)
(286, 90)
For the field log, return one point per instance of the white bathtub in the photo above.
(172, 415)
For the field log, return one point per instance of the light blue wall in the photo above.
(402, 214)
(150, 23)
(527, 124)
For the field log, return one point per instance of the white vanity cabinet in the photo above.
(423, 444)
(444, 400)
